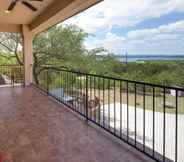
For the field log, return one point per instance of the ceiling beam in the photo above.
(10, 28)
(58, 12)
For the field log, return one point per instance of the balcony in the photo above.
(34, 127)
(66, 111)
(83, 117)
(70, 116)
(146, 116)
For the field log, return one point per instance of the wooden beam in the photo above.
(54, 8)
(10, 28)
(58, 12)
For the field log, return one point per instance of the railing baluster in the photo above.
(80, 94)
(47, 76)
(121, 109)
(164, 125)
(109, 104)
(66, 75)
(72, 82)
(66, 85)
(60, 86)
(127, 112)
(103, 102)
(144, 116)
(176, 131)
(78, 99)
(90, 97)
(75, 91)
(69, 90)
(114, 107)
(135, 86)
(86, 97)
(99, 98)
(153, 122)
(83, 93)
(63, 90)
(65, 94)
(95, 98)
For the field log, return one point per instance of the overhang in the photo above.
(49, 13)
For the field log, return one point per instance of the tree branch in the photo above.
(9, 49)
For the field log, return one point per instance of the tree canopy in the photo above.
(63, 47)
(11, 48)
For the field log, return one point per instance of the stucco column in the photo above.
(28, 54)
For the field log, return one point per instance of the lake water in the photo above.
(134, 58)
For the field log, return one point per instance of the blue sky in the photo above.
(136, 26)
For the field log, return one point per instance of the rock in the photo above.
(168, 105)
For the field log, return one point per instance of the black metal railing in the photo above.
(147, 116)
(11, 75)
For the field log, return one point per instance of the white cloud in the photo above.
(164, 39)
(113, 43)
(124, 13)
(167, 31)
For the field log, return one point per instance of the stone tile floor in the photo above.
(34, 128)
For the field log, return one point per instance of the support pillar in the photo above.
(27, 37)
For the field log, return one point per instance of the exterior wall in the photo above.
(10, 28)
(28, 54)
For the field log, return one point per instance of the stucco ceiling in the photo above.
(49, 13)
(21, 14)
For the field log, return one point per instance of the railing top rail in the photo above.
(11, 65)
(117, 79)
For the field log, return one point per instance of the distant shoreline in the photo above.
(134, 58)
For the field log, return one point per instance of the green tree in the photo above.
(59, 46)
(11, 47)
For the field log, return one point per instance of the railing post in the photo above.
(12, 77)
(47, 77)
(86, 98)
(13, 81)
